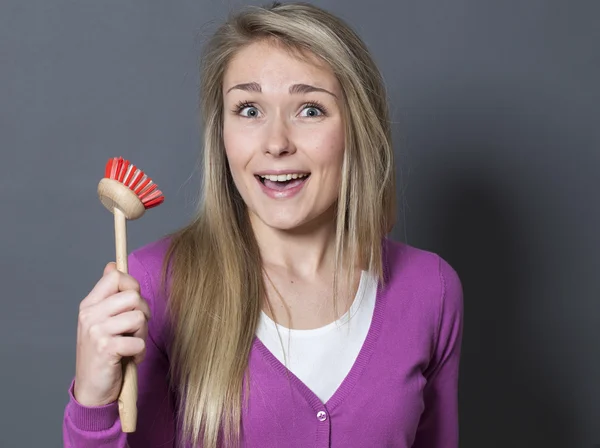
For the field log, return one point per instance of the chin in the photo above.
(287, 223)
(286, 220)
(293, 221)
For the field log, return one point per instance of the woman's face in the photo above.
(284, 135)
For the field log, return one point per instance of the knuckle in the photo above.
(129, 282)
(140, 317)
(103, 344)
(85, 316)
(128, 299)
(95, 332)
(141, 345)
(137, 301)
(144, 305)
(134, 296)
(135, 285)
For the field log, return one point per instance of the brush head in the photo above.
(128, 188)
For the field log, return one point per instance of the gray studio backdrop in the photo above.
(496, 117)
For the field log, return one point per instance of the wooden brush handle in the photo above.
(129, 389)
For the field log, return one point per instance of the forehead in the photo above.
(274, 67)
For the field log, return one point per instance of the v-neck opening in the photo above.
(363, 286)
(365, 353)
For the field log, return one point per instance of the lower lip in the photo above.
(283, 194)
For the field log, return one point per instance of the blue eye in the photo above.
(312, 111)
(252, 112)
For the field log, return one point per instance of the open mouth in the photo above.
(282, 182)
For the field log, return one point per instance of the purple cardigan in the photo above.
(401, 392)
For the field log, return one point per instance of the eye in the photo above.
(246, 109)
(249, 112)
(313, 110)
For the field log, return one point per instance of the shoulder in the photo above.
(427, 280)
(425, 298)
(150, 257)
(405, 260)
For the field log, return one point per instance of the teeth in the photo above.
(283, 177)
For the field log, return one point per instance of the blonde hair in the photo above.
(216, 288)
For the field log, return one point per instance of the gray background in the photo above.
(496, 110)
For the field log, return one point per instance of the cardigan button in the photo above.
(322, 416)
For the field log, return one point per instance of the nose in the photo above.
(278, 140)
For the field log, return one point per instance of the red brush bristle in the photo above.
(151, 187)
(130, 175)
(154, 199)
(145, 181)
(141, 184)
(154, 202)
(137, 175)
(122, 171)
(114, 168)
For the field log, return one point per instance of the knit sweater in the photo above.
(401, 392)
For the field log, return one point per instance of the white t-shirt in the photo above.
(322, 357)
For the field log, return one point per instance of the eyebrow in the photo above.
(295, 89)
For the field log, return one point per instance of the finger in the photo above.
(140, 356)
(120, 303)
(111, 283)
(126, 346)
(130, 323)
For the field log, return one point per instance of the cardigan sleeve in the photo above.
(438, 426)
(100, 427)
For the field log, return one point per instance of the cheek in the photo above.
(229, 139)
(329, 151)
(236, 151)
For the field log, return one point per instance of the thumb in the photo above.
(110, 267)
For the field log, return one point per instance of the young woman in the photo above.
(283, 315)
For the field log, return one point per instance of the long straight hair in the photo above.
(216, 286)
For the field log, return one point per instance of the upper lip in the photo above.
(278, 172)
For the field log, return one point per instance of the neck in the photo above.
(306, 252)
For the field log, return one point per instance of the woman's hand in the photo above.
(113, 323)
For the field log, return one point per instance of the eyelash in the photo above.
(314, 104)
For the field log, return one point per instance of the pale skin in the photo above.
(114, 307)
(270, 123)
(285, 126)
